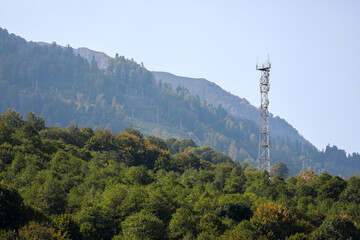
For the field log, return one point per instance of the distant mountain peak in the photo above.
(100, 57)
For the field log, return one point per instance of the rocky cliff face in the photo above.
(100, 57)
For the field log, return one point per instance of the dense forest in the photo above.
(77, 183)
(65, 88)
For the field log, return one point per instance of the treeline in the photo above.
(77, 183)
(53, 82)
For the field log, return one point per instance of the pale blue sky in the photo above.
(314, 48)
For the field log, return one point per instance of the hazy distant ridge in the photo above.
(100, 57)
(237, 106)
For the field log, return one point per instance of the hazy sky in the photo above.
(314, 48)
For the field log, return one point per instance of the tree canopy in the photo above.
(79, 183)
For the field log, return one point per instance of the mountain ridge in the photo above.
(213, 94)
(239, 107)
(101, 58)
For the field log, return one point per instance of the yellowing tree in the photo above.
(273, 220)
(308, 175)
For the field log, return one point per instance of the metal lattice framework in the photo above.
(264, 138)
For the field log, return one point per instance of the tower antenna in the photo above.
(264, 137)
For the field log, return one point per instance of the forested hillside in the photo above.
(212, 94)
(65, 88)
(79, 183)
(238, 107)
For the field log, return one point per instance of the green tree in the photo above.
(299, 236)
(134, 201)
(11, 208)
(6, 132)
(66, 224)
(245, 230)
(12, 118)
(30, 138)
(103, 140)
(8, 234)
(236, 211)
(332, 188)
(138, 175)
(94, 224)
(187, 161)
(182, 223)
(160, 143)
(133, 131)
(51, 196)
(163, 162)
(235, 183)
(161, 202)
(281, 169)
(75, 135)
(316, 181)
(352, 191)
(176, 146)
(143, 226)
(209, 154)
(337, 228)
(212, 224)
(36, 121)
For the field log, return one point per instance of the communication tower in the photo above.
(264, 138)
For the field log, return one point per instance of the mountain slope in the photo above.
(63, 87)
(101, 58)
(212, 94)
(239, 107)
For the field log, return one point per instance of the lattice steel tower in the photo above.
(264, 138)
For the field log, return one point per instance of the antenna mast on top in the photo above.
(264, 137)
